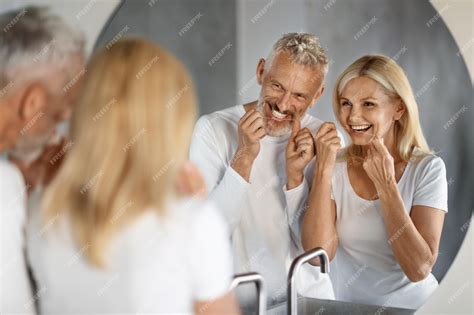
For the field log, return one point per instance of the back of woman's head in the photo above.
(130, 131)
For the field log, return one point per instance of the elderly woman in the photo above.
(378, 206)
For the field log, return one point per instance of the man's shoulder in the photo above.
(222, 119)
(10, 174)
(12, 185)
(233, 113)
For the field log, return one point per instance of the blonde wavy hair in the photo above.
(130, 132)
(392, 78)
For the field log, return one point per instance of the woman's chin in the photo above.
(360, 141)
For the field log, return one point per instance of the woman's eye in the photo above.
(346, 103)
(369, 104)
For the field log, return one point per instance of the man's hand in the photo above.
(251, 129)
(299, 152)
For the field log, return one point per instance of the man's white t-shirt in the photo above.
(153, 265)
(15, 286)
(264, 218)
(364, 269)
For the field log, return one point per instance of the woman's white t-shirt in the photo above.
(154, 265)
(364, 269)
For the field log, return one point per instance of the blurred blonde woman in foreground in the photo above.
(378, 211)
(114, 235)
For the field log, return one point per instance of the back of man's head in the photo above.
(33, 41)
(41, 59)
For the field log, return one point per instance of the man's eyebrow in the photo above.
(300, 93)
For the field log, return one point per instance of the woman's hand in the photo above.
(190, 182)
(328, 144)
(379, 165)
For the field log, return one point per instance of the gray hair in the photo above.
(33, 37)
(303, 48)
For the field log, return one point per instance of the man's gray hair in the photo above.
(303, 48)
(34, 37)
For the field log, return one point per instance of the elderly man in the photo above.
(41, 59)
(255, 157)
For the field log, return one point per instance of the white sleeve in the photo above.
(431, 186)
(211, 258)
(296, 206)
(15, 286)
(226, 187)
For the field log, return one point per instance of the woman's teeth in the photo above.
(278, 115)
(360, 127)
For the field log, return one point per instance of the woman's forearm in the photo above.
(319, 228)
(409, 247)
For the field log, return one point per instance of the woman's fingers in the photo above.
(190, 181)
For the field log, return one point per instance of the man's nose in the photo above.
(284, 103)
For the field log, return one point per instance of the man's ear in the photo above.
(317, 95)
(260, 70)
(400, 110)
(32, 102)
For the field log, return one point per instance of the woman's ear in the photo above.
(260, 70)
(400, 110)
(33, 102)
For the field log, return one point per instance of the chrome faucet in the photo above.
(295, 267)
(261, 289)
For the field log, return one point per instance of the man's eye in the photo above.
(276, 86)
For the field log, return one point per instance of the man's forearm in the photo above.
(294, 180)
(242, 164)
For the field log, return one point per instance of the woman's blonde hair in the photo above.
(130, 132)
(390, 75)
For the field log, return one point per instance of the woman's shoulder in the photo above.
(423, 161)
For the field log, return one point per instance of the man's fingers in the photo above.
(295, 127)
(303, 147)
(246, 115)
(260, 133)
(256, 124)
(305, 132)
(249, 117)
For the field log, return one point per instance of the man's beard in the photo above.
(271, 129)
(29, 148)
